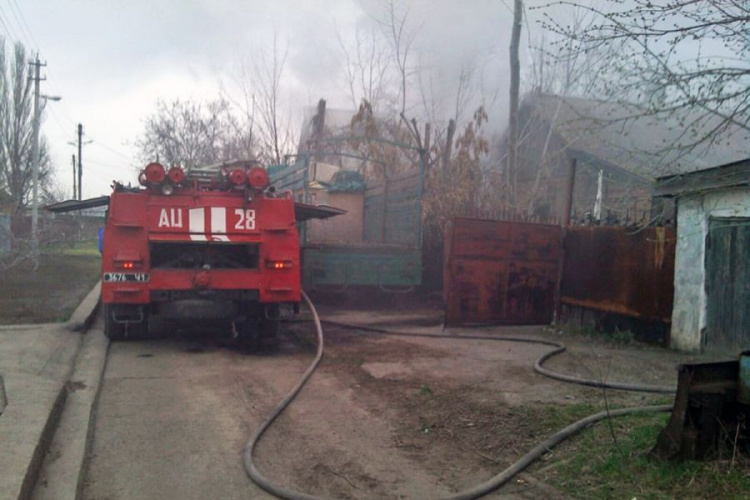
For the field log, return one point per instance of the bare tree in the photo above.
(680, 59)
(559, 66)
(401, 39)
(193, 133)
(262, 87)
(366, 67)
(16, 129)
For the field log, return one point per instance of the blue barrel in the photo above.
(743, 386)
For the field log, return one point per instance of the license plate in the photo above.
(122, 277)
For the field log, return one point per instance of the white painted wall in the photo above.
(693, 214)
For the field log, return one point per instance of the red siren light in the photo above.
(155, 173)
(237, 177)
(176, 175)
(258, 177)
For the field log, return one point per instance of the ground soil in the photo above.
(51, 292)
(383, 417)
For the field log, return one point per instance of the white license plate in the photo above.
(122, 277)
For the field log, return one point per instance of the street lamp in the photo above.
(35, 168)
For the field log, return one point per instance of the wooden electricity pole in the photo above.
(80, 166)
(515, 83)
(74, 177)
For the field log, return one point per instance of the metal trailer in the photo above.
(389, 253)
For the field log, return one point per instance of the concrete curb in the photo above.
(63, 472)
(91, 423)
(81, 319)
(84, 315)
(40, 451)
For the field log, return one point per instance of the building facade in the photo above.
(711, 311)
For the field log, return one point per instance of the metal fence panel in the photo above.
(501, 272)
(620, 270)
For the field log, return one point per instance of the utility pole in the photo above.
(74, 177)
(80, 167)
(37, 78)
(35, 159)
(80, 143)
(513, 128)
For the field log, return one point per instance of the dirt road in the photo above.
(384, 417)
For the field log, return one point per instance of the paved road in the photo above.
(173, 417)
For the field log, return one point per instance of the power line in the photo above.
(58, 122)
(109, 165)
(20, 27)
(97, 142)
(6, 30)
(23, 20)
(9, 29)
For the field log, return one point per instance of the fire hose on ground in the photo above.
(494, 482)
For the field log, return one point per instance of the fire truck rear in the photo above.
(221, 247)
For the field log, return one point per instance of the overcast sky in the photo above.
(111, 60)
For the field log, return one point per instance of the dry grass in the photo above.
(51, 292)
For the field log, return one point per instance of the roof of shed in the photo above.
(647, 146)
(726, 176)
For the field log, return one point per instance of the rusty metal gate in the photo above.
(500, 272)
(620, 271)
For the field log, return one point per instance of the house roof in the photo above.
(647, 146)
(721, 177)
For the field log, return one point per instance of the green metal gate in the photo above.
(728, 285)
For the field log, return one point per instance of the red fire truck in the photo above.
(216, 245)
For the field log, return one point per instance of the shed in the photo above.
(711, 311)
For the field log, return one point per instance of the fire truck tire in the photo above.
(112, 329)
(268, 334)
(261, 335)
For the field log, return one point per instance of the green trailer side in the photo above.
(335, 266)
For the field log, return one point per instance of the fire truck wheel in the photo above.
(268, 334)
(112, 329)
(260, 335)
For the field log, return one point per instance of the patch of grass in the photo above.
(88, 248)
(620, 336)
(425, 391)
(617, 336)
(591, 465)
(52, 291)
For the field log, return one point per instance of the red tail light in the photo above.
(126, 264)
(258, 177)
(279, 264)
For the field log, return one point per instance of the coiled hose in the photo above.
(494, 482)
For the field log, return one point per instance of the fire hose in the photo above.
(494, 482)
